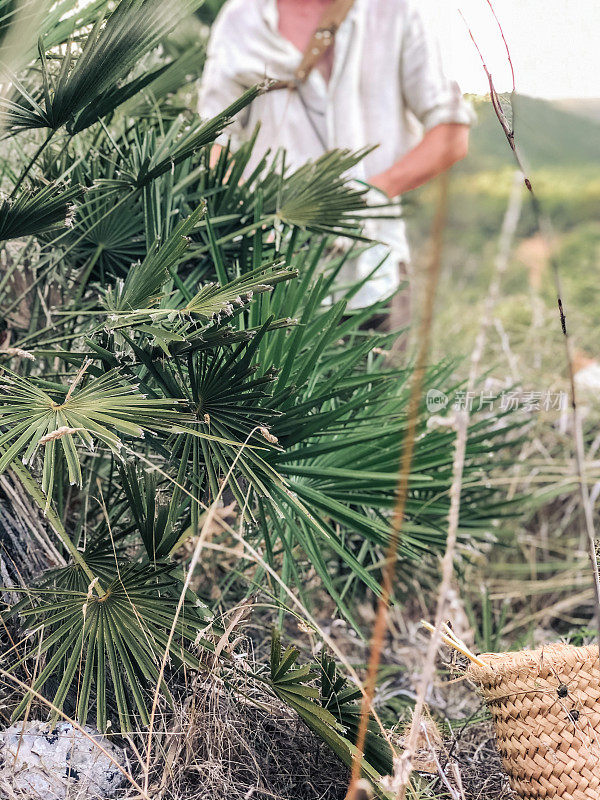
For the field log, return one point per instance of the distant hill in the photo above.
(547, 134)
(584, 107)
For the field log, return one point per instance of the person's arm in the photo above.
(437, 103)
(440, 148)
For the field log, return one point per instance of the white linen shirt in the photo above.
(387, 85)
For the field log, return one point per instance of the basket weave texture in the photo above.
(546, 709)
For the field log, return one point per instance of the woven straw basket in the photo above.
(546, 710)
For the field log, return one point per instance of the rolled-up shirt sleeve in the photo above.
(428, 92)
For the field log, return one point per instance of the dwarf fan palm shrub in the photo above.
(170, 342)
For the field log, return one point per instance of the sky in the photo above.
(555, 44)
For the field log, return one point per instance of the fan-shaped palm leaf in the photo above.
(115, 640)
(224, 395)
(318, 196)
(151, 156)
(105, 408)
(85, 85)
(144, 281)
(35, 212)
(107, 242)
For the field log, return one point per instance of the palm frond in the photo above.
(213, 300)
(104, 409)
(60, 21)
(35, 212)
(318, 196)
(180, 143)
(341, 701)
(144, 281)
(113, 97)
(224, 395)
(113, 641)
(154, 519)
(88, 85)
(186, 67)
(293, 685)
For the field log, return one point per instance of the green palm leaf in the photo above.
(55, 22)
(160, 155)
(106, 409)
(154, 518)
(293, 686)
(318, 197)
(213, 300)
(113, 97)
(35, 212)
(143, 284)
(223, 393)
(114, 640)
(84, 86)
(340, 700)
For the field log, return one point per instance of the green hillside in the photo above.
(548, 136)
(584, 106)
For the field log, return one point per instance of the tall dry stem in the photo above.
(389, 569)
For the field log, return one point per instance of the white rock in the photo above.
(55, 761)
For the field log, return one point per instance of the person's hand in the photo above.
(383, 183)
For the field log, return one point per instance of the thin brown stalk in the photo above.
(389, 568)
(506, 47)
(77, 379)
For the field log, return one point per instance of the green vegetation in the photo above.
(191, 432)
(564, 153)
(170, 349)
(541, 567)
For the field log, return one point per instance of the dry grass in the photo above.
(217, 747)
(473, 750)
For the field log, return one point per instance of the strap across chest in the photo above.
(322, 40)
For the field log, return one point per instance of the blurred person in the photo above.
(354, 74)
